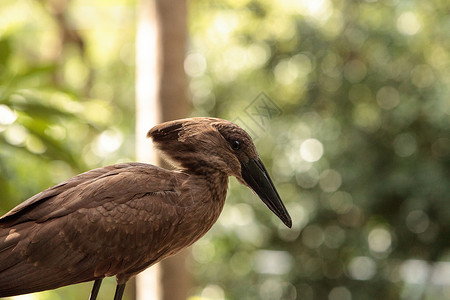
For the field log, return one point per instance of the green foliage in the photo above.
(66, 100)
(55, 104)
(360, 152)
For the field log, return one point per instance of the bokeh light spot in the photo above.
(341, 202)
(35, 145)
(313, 236)
(379, 240)
(404, 144)
(16, 135)
(311, 150)
(7, 116)
(388, 98)
(362, 268)
(270, 289)
(367, 116)
(203, 251)
(239, 263)
(355, 71)
(422, 76)
(56, 131)
(107, 142)
(195, 64)
(213, 292)
(258, 54)
(319, 10)
(307, 178)
(417, 221)
(272, 262)
(408, 23)
(414, 271)
(340, 293)
(330, 180)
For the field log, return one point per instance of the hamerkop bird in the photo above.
(121, 219)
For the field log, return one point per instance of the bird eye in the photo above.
(236, 145)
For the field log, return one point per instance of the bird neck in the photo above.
(213, 182)
(217, 185)
(212, 194)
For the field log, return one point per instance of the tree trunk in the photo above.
(160, 96)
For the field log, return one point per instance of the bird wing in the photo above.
(87, 190)
(96, 224)
(41, 197)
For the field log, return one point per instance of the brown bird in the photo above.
(121, 219)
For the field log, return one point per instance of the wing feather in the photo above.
(96, 224)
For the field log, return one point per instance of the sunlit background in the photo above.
(358, 142)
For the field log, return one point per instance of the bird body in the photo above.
(121, 219)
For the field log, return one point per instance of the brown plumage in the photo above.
(121, 219)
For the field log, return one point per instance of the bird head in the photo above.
(204, 144)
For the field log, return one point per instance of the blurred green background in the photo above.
(348, 102)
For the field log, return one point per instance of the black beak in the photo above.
(255, 175)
